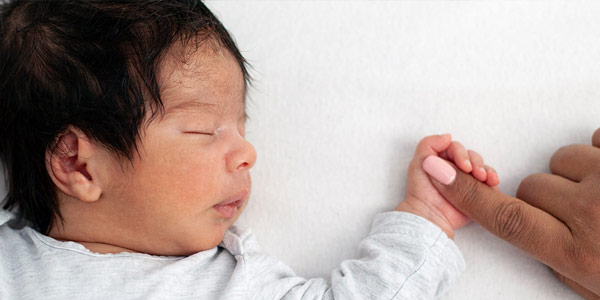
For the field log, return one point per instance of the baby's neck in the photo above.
(103, 248)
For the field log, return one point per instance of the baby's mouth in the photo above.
(229, 207)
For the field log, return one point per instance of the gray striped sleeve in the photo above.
(403, 257)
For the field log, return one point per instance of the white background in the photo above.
(345, 90)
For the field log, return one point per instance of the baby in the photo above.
(122, 135)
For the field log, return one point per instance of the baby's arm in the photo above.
(423, 199)
(405, 256)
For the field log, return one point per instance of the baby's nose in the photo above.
(242, 158)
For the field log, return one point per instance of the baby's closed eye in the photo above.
(209, 133)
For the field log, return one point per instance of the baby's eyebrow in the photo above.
(192, 106)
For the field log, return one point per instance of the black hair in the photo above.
(87, 64)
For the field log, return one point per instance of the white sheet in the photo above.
(343, 92)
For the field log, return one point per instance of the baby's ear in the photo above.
(72, 165)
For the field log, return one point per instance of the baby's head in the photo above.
(122, 123)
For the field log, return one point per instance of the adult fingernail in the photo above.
(439, 169)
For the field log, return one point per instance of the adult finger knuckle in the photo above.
(510, 221)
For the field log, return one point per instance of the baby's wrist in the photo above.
(423, 210)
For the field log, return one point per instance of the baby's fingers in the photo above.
(479, 172)
(431, 145)
(492, 177)
(459, 156)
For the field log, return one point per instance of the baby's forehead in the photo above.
(206, 75)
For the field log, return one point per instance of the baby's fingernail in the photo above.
(439, 169)
(468, 163)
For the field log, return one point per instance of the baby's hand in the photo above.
(423, 199)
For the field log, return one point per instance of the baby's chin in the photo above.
(205, 242)
(205, 235)
(189, 246)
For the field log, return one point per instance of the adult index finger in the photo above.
(528, 228)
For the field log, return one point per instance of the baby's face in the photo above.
(192, 159)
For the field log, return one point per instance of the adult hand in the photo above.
(555, 217)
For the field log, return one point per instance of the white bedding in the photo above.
(344, 90)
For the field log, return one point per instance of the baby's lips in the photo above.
(439, 169)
